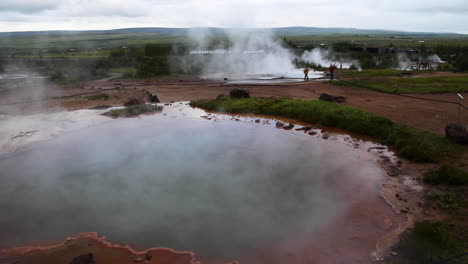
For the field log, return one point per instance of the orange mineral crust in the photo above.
(103, 252)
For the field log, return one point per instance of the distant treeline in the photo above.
(153, 60)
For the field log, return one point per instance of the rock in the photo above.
(83, 259)
(279, 124)
(457, 133)
(325, 136)
(238, 93)
(153, 98)
(312, 133)
(257, 121)
(288, 127)
(134, 101)
(148, 256)
(331, 98)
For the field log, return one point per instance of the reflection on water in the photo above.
(222, 189)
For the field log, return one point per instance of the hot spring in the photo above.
(224, 189)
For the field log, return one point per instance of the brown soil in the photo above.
(427, 115)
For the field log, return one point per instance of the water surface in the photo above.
(224, 189)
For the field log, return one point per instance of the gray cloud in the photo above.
(27, 6)
(417, 15)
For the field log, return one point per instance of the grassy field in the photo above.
(411, 143)
(52, 43)
(379, 40)
(369, 80)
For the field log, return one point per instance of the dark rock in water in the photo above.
(257, 121)
(288, 127)
(325, 136)
(153, 98)
(100, 107)
(133, 101)
(238, 93)
(456, 133)
(83, 259)
(220, 96)
(225, 79)
(332, 98)
(305, 128)
(279, 124)
(312, 133)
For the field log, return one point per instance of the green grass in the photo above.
(369, 73)
(450, 84)
(447, 174)
(132, 111)
(445, 201)
(408, 142)
(101, 96)
(127, 73)
(428, 242)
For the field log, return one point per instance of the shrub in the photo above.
(447, 174)
(132, 111)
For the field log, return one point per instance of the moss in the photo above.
(447, 174)
(132, 111)
(411, 143)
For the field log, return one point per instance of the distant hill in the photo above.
(284, 31)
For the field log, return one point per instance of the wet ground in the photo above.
(225, 187)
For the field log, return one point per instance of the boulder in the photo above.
(332, 98)
(279, 124)
(457, 133)
(238, 93)
(153, 98)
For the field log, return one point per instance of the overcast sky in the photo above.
(407, 15)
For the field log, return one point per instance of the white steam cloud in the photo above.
(247, 53)
(326, 57)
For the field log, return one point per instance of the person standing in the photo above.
(306, 74)
(332, 71)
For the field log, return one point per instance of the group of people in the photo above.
(331, 69)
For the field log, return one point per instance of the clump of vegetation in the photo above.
(429, 242)
(447, 174)
(445, 201)
(411, 143)
(132, 111)
(101, 96)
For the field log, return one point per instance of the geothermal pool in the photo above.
(226, 188)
